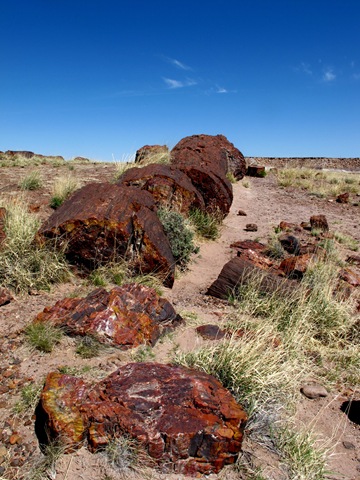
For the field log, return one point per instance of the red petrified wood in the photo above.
(125, 317)
(186, 421)
(168, 185)
(102, 221)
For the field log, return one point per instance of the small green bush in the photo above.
(179, 234)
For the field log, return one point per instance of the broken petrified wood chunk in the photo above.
(256, 171)
(101, 222)
(319, 222)
(125, 317)
(168, 185)
(5, 296)
(215, 150)
(296, 266)
(240, 271)
(185, 420)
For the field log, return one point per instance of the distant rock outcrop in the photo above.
(184, 419)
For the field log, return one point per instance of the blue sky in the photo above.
(101, 78)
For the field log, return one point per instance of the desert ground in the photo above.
(266, 204)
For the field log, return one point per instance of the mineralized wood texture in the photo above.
(125, 317)
(239, 271)
(187, 422)
(101, 222)
(168, 185)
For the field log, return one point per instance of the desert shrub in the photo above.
(62, 189)
(179, 234)
(31, 182)
(29, 397)
(25, 264)
(43, 336)
(206, 225)
(230, 176)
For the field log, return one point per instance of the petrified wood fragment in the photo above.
(187, 422)
(168, 185)
(101, 222)
(125, 317)
(319, 222)
(215, 150)
(240, 271)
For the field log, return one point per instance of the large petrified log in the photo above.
(125, 317)
(186, 421)
(212, 149)
(240, 271)
(101, 222)
(168, 185)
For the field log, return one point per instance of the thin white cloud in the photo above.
(176, 63)
(329, 75)
(171, 83)
(304, 68)
(221, 90)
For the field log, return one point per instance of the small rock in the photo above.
(210, 332)
(319, 222)
(251, 227)
(242, 213)
(343, 198)
(313, 390)
(15, 438)
(5, 297)
(2, 470)
(3, 451)
(348, 445)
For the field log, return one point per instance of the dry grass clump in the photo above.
(276, 343)
(25, 265)
(128, 162)
(32, 181)
(319, 182)
(62, 189)
(19, 160)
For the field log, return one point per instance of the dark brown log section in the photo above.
(239, 271)
(168, 185)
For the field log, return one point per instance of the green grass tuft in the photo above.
(206, 225)
(31, 182)
(43, 336)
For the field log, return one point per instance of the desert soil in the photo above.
(266, 205)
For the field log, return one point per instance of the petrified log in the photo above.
(125, 317)
(215, 189)
(101, 222)
(240, 271)
(296, 266)
(187, 422)
(168, 185)
(215, 150)
(151, 153)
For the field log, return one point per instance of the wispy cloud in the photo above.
(329, 75)
(176, 63)
(221, 90)
(172, 83)
(304, 68)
